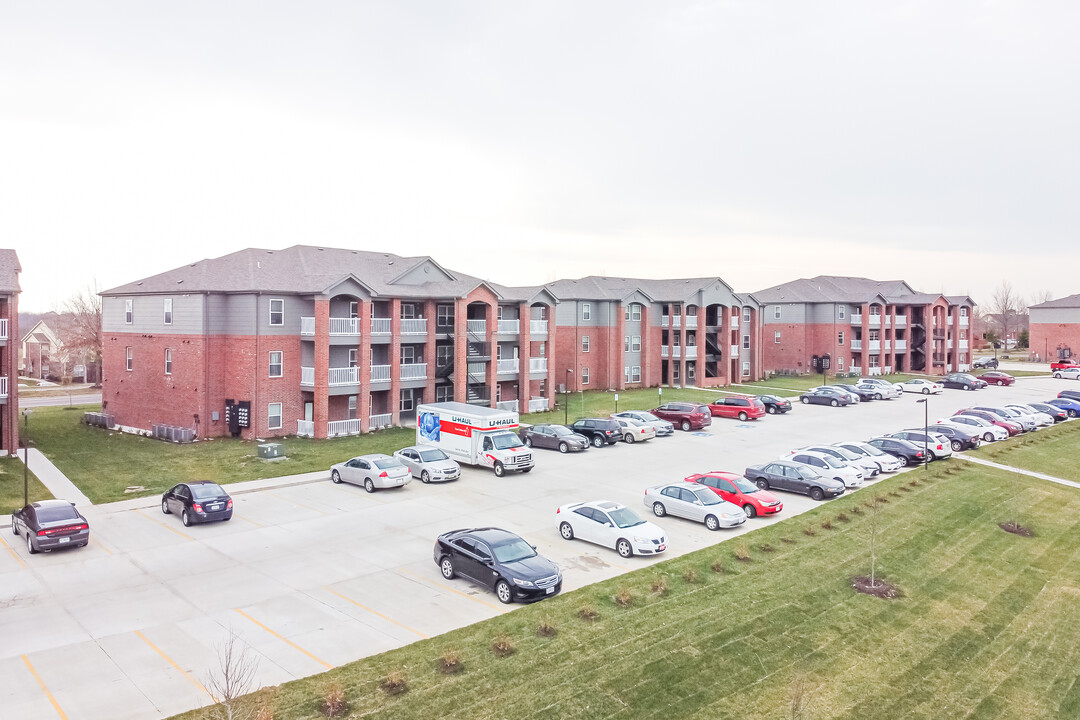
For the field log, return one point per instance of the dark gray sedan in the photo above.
(794, 477)
(50, 524)
(556, 437)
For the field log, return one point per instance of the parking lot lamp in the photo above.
(926, 432)
(566, 397)
(26, 457)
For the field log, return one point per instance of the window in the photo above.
(746, 369)
(775, 313)
(839, 362)
(584, 343)
(635, 343)
(963, 312)
(586, 311)
(963, 334)
(875, 335)
(273, 416)
(408, 311)
(444, 393)
(406, 402)
(677, 310)
(690, 372)
(840, 338)
(746, 342)
(444, 315)
(352, 357)
(130, 355)
(542, 314)
(633, 311)
(275, 363)
(168, 361)
(626, 373)
(675, 340)
(354, 309)
(408, 354)
(277, 312)
(129, 312)
(675, 374)
(443, 355)
(352, 407)
(543, 346)
(873, 361)
(875, 310)
(168, 311)
(635, 374)
(776, 337)
(626, 343)
(584, 376)
(746, 315)
(841, 311)
(499, 312)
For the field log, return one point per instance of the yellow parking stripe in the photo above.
(170, 529)
(285, 639)
(101, 545)
(447, 587)
(13, 553)
(299, 504)
(375, 612)
(44, 689)
(249, 520)
(179, 669)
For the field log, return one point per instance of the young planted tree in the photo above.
(83, 331)
(873, 536)
(233, 679)
(1006, 305)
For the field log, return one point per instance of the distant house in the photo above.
(37, 351)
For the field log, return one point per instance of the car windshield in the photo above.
(745, 485)
(647, 417)
(54, 514)
(845, 453)
(506, 441)
(831, 461)
(513, 550)
(207, 490)
(870, 449)
(976, 421)
(626, 518)
(386, 463)
(433, 455)
(769, 398)
(707, 497)
(561, 430)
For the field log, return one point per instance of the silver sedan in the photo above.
(693, 502)
(663, 427)
(429, 464)
(376, 471)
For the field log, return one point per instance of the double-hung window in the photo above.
(277, 312)
(276, 363)
(168, 311)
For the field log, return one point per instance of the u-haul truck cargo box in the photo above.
(474, 435)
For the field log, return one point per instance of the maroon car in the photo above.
(686, 415)
(997, 378)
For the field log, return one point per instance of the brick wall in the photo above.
(1044, 339)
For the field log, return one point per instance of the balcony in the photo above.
(307, 376)
(345, 376)
(856, 319)
(414, 371)
(538, 365)
(305, 428)
(379, 373)
(886, 345)
(735, 350)
(665, 320)
(676, 321)
(507, 367)
(338, 326)
(691, 352)
(508, 327)
(538, 327)
(3, 328)
(875, 321)
(875, 345)
(664, 351)
(3, 386)
(900, 345)
(734, 322)
(538, 404)
(476, 327)
(337, 428)
(509, 405)
(963, 344)
(676, 351)
(414, 326)
(963, 323)
(901, 321)
(691, 322)
(939, 334)
(380, 421)
(948, 344)
(380, 326)
(856, 344)
(307, 326)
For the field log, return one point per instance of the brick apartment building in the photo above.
(9, 351)
(615, 333)
(319, 342)
(1054, 330)
(864, 325)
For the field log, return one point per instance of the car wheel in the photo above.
(165, 507)
(503, 592)
(566, 531)
(597, 441)
(957, 446)
(1057, 375)
(762, 483)
(369, 485)
(771, 410)
(14, 527)
(750, 510)
(988, 437)
(1072, 413)
(903, 461)
(743, 416)
(499, 469)
(446, 567)
(629, 438)
(335, 477)
(30, 544)
(564, 448)
(658, 509)
(926, 391)
(528, 442)
(805, 401)
(967, 387)
(816, 494)
(425, 477)
(685, 425)
(185, 518)
(877, 396)
(624, 548)
(711, 522)
(834, 403)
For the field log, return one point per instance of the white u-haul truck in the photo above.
(474, 435)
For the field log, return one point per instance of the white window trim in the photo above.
(745, 342)
(746, 314)
(746, 369)
(167, 311)
(777, 312)
(129, 311)
(129, 357)
(776, 337)
(626, 343)
(584, 343)
(635, 343)
(270, 416)
(635, 374)
(270, 307)
(635, 311)
(840, 338)
(842, 310)
(168, 361)
(584, 376)
(280, 364)
(586, 311)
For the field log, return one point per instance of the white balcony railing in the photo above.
(856, 344)
(305, 428)
(900, 345)
(875, 321)
(888, 322)
(691, 322)
(874, 371)
(948, 344)
(964, 368)
(963, 344)
(875, 345)
(336, 428)
(509, 327)
(538, 365)
(676, 351)
(886, 345)
(380, 373)
(734, 349)
(345, 376)
(344, 326)
(511, 405)
(856, 319)
(691, 352)
(307, 376)
(380, 326)
(963, 323)
(887, 369)
(477, 369)
(901, 321)
(3, 328)
(414, 371)
(734, 322)
(507, 366)
(676, 321)
(538, 327)
(307, 326)
(664, 351)
(665, 320)
(3, 386)
(414, 326)
(538, 404)
(476, 327)
(380, 421)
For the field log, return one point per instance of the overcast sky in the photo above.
(756, 141)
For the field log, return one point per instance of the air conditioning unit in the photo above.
(185, 435)
(107, 420)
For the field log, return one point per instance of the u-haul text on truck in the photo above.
(474, 435)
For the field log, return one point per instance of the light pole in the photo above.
(926, 431)
(26, 457)
(566, 397)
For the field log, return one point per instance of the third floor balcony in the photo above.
(3, 328)
(508, 327)
(339, 326)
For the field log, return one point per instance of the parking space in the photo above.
(314, 575)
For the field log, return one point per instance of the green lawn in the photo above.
(11, 485)
(1051, 450)
(988, 625)
(102, 463)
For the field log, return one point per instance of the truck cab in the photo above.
(474, 435)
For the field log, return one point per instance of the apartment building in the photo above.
(1054, 330)
(615, 333)
(868, 326)
(319, 342)
(9, 351)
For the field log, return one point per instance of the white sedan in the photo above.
(918, 385)
(989, 431)
(634, 430)
(612, 525)
(829, 466)
(1067, 374)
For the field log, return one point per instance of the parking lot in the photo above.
(313, 575)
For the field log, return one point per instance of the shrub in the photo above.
(856, 510)
(334, 704)
(503, 646)
(659, 584)
(546, 628)
(718, 567)
(451, 662)
(265, 713)
(767, 548)
(787, 540)
(625, 597)
(826, 524)
(842, 517)
(809, 530)
(588, 613)
(690, 575)
(742, 553)
(394, 683)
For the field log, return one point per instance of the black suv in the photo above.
(986, 362)
(600, 431)
(498, 560)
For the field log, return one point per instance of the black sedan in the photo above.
(555, 437)
(825, 396)
(909, 453)
(794, 477)
(1070, 394)
(864, 395)
(197, 502)
(775, 405)
(959, 438)
(50, 524)
(498, 560)
(962, 381)
(1053, 411)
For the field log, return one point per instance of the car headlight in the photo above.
(524, 583)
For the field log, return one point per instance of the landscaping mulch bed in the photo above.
(1016, 529)
(881, 589)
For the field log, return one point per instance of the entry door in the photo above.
(309, 411)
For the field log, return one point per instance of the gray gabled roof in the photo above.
(1070, 301)
(9, 271)
(856, 290)
(599, 287)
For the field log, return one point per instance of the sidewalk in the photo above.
(1022, 471)
(56, 482)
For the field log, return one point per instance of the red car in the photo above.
(1062, 365)
(737, 489)
(1011, 427)
(687, 415)
(998, 378)
(743, 407)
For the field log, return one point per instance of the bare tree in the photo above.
(800, 694)
(873, 535)
(84, 326)
(1006, 305)
(1040, 296)
(233, 679)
